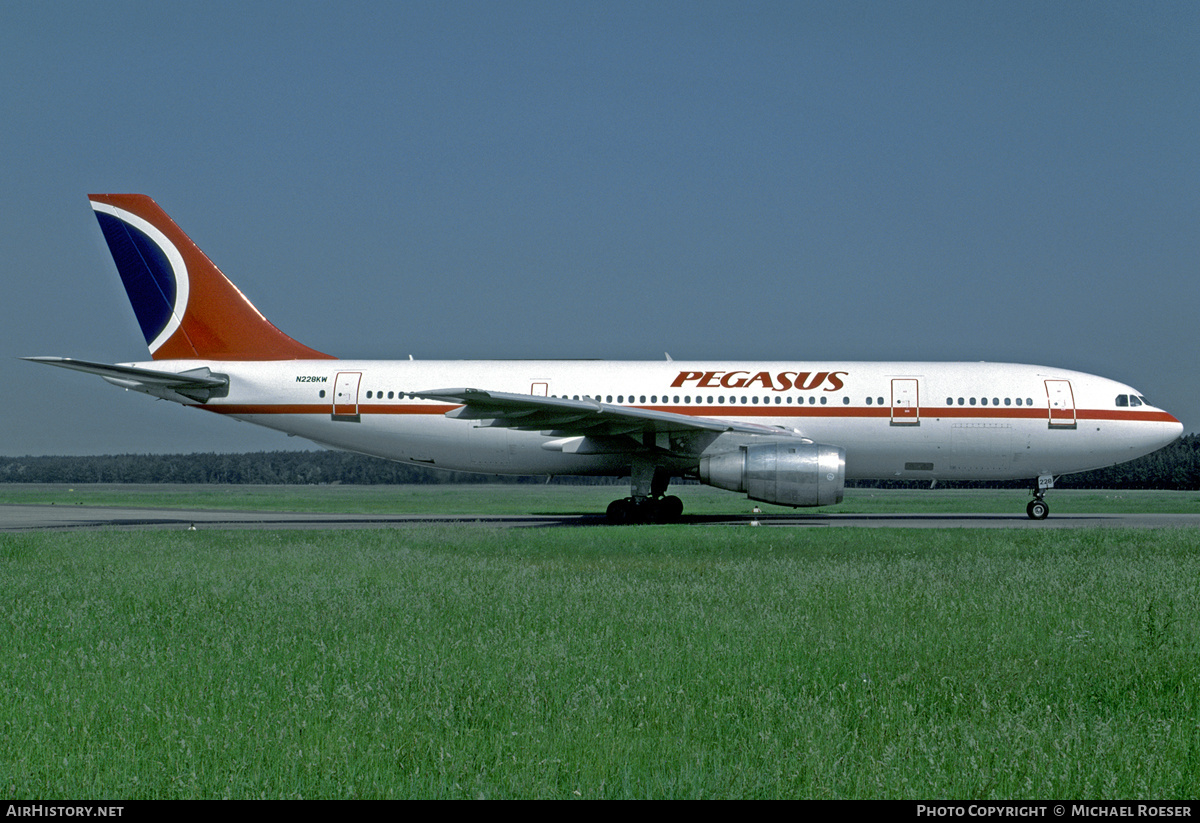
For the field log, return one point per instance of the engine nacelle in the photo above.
(789, 474)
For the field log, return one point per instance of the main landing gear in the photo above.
(1037, 508)
(648, 502)
(631, 510)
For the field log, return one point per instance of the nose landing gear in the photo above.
(1037, 508)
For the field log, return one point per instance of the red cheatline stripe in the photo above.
(988, 413)
(321, 408)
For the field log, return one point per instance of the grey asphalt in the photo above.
(19, 518)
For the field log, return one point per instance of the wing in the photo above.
(594, 421)
(197, 384)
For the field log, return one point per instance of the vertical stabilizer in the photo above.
(186, 307)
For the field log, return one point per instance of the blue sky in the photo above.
(860, 181)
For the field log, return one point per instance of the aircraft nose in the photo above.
(1171, 429)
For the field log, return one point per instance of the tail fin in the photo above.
(186, 307)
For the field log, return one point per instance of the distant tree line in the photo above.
(1175, 467)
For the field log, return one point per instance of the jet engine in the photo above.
(789, 474)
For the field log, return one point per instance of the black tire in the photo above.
(668, 509)
(617, 512)
(1037, 510)
(620, 512)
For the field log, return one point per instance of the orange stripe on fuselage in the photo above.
(841, 412)
(318, 408)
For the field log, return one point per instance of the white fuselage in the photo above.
(895, 420)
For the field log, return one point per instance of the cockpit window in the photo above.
(1134, 401)
(1122, 400)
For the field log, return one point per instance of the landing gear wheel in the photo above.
(1037, 510)
(621, 512)
(660, 510)
(668, 509)
(628, 511)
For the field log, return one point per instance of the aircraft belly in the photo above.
(981, 449)
(948, 449)
(436, 441)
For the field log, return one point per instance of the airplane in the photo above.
(785, 433)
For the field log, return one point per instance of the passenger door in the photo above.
(1061, 402)
(906, 405)
(345, 397)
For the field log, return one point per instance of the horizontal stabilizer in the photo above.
(198, 384)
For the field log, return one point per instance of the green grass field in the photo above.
(649, 661)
